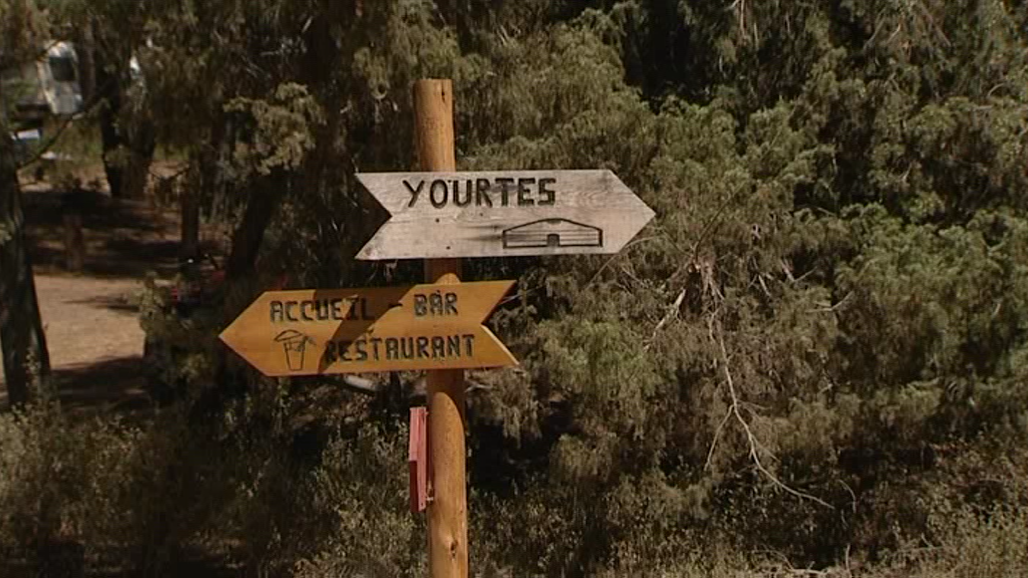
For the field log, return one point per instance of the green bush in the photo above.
(982, 545)
(360, 490)
(131, 497)
(137, 498)
(62, 481)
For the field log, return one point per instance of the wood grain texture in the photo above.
(433, 125)
(326, 331)
(448, 510)
(556, 213)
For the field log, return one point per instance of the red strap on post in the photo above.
(417, 459)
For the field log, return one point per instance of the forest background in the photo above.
(813, 360)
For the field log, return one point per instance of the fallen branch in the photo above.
(360, 385)
(417, 387)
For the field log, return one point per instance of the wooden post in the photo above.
(74, 241)
(448, 511)
(189, 231)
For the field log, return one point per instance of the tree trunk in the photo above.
(128, 143)
(136, 172)
(86, 49)
(210, 182)
(108, 88)
(240, 268)
(249, 235)
(21, 329)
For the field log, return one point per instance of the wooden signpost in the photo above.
(323, 331)
(502, 214)
(439, 215)
(448, 508)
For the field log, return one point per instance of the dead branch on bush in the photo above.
(717, 436)
(751, 440)
(672, 312)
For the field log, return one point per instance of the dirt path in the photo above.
(88, 320)
(92, 326)
(95, 341)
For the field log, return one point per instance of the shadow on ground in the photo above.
(123, 238)
(112, 385)
(119, 303)
(108, 386)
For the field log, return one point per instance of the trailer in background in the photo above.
(40, 90)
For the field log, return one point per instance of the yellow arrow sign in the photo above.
(321, 331)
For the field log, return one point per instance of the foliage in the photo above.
(357, 487)
(59, 480)
(819, 348)
(20, 25)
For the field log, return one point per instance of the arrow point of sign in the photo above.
(638, 215)
(624, 190)
(367, 252)
(496, 351)
(490, 293)
(230, 339)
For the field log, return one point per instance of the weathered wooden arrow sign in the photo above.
(321, 331)
(502, 214)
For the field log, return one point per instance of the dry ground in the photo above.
(94, 338)
(92, 327)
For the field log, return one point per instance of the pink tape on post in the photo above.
(417, 459)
